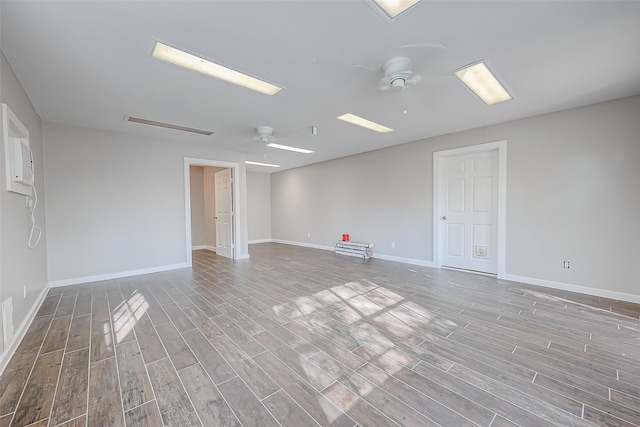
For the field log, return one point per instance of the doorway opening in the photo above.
(469, 208)
(225, 192)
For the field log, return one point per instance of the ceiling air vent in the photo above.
(167, 125)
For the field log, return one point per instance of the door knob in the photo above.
(444, 218)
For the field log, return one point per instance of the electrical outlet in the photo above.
(24, 291)
(308, 234)
(566, 264)
(393, 244)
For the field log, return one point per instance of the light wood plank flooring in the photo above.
(303, 337)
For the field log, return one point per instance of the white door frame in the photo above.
(188, 162)
(438, 160)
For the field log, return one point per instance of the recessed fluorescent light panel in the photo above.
(187, 60)
(286, 147)
(359, 121)
(262, 164)
(393, 8)
(483, 83)
(167, 125)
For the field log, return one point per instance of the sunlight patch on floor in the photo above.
(127, 314)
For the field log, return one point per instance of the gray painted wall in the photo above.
(116, 201)
(19, 265)
(259, 206)
(198, 230)
(572, 194)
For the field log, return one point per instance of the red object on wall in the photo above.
(345, 237)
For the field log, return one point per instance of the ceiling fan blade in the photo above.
(414, 79)
(383, 84)
(428, 58)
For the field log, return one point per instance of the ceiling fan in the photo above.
(264, 134)
(411, 64)
(398, 73)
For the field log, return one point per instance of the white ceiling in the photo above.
(87, 63)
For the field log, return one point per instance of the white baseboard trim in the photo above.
(251, 242)
(512, 277)
(403, 260)
(573, 288)
(375, 255)
(201, 247)
(242, 256)
(306, 245)
(22, 330)
(118, 275)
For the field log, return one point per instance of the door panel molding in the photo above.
(439, 158)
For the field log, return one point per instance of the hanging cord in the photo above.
(34, 227)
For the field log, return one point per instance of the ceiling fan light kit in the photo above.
(398, 73)
(398, 82)
(265, 134)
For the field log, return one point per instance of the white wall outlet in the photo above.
(308, 234)
(393, 244)
(24, 291)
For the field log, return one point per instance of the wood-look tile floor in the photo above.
(301, 337)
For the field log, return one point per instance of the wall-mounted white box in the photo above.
(17, 153)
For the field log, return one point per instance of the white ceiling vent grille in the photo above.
(167, 125)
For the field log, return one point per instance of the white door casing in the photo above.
(470, 207)
(224, 213)
(235, 199)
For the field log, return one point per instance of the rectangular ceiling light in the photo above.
(394, 8)
(178, 57)
(167, 125)
(357, 120)
(286, 147)
(262, 164)
(483, 83)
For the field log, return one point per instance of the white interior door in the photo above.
(469, 212)
(224, 213)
